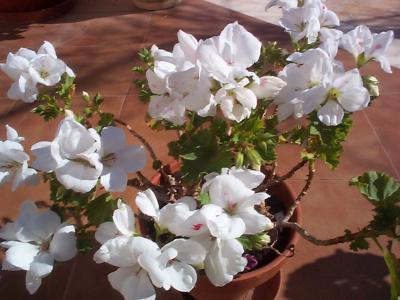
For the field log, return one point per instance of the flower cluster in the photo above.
(34, 241)
(28, 68)
(315, 80)
(200, 75)
(206, 237)
(79, 157)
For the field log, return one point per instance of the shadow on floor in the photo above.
(343, 275)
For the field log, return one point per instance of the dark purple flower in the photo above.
(252, 262)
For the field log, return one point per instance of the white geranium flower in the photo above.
(227, 56)
(118, 159)
(180, 218)
(224, 259)
(281, 3)
(14, 161)
(130, 279)
(347, 93)
(231, 212)
(302, 22)
(46, 69)
(28, 68)
(268, 87)
(360, 40)
(307, 79)
(174, 263)
(236, 101)
(34, 242)
(73, 156)
(178, 82)
(123, 224)
(330, 39)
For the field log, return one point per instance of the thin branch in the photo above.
(363, 233)
(303, 192)
(279, 179)
(139, 137)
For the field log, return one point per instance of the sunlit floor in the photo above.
(99, 40)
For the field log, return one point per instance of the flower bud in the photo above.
(372, 85)
(268, 87)
(239, 159)
(254, 158)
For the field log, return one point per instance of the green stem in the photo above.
(393, 266)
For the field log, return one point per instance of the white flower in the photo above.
(46, 69)
(347, 93)
(282, 3)
(307, 79)
(14, 161)
(236, 101)
(231, 212)
(27, 68)
(180, 218)
(224, 259)
(73, 156)
(307, 20)
(330, 39)
(174, 263)
(179, 82)
(141, 263)
(34, 241)
(123, 224)
(118, 159)
(302, 22)
(268, 87)
(360, 40)
(130, 279)
(227, 56)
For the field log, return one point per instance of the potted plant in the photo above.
(219, 220)
(156, 4)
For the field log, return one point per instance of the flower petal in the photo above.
(124, 219)
(147, 203)
(20, 255)
(63, 244)
(42, 265)
(331, 114)
(182, 276)
(132, 284)
(32, 283)
(106, 231)
(189, 251)
(224, 261)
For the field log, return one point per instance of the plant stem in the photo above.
(145, 143)
(279, 179)
(363, 233)
(303, 192)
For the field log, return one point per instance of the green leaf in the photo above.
(101, 209)
(378, 187)
(325, 142)
(207, 154)
(254, 241)
(189, 156)
(358, 243)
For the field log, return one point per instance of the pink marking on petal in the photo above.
(197, 227)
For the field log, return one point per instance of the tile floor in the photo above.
(99, 40)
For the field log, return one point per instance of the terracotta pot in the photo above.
(243, 286)
(31, 11)
(156, 4)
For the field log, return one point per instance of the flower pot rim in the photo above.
(174, 166)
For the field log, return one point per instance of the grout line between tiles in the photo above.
(69, 281)
(382, 146)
